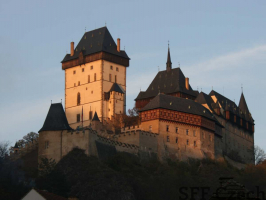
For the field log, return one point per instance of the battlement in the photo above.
(116, 143)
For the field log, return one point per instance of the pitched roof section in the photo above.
(203, 98)
(226, 103)
(167, 82)
(55, 119)
(178, 104)
(243, 104)
(95, 41)
(117, 88)
(95, 117)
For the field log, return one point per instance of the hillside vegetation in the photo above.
(125, 177)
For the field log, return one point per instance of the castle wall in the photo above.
(236, 139)
(50, 145)
(178, 140)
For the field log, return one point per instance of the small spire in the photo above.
(105, 24)
(51, 102)
(61, 101)
(85, 29)
(168, 63)
(241, 87)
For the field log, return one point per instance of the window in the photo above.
(167, 128)
(111, 67)
(74, 72)
(168, 138)
(90, 115)
(186, 131)
(115, 78)
(74, 84)
(187, 142)
(91, 67)
(110, 77)
(176, 140)
(82, 69)
(117, 69)
(195, 143)
(176, 129)
(89, 78)
(78, 117)
(78, 98)
(194, 133)
(79, 83)
(94, 76)
(46, 144)
(150, 128)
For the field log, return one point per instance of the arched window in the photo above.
(110, 77)
(78, 99)
(95, 77)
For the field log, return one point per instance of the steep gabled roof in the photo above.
(95, 41)
(203, 98)
(117, 88)
(55, 119)
(95, 117)
(226, 103)
(167, 82)
(243, 104)
(178, 104)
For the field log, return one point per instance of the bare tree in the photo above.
(4, 149)
(260, 155)
(30, 137)
(133, 112)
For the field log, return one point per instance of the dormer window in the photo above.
(91, 67)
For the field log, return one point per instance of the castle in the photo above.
(176, 121)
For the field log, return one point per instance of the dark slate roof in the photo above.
(226, 103)
(55, 119)
(117, 88)
(167, 82)
(203, 98)
(95, 41)
(16, 145)
(178, 104)
(243, 105)
(95, 117)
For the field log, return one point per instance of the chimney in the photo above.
(72, 48)
(118, 44)
(187, 83)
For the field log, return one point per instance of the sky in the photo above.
(219, 44)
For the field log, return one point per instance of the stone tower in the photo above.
(95, 78)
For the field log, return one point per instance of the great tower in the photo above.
(95, 78)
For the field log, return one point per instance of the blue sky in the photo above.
(219, 44)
